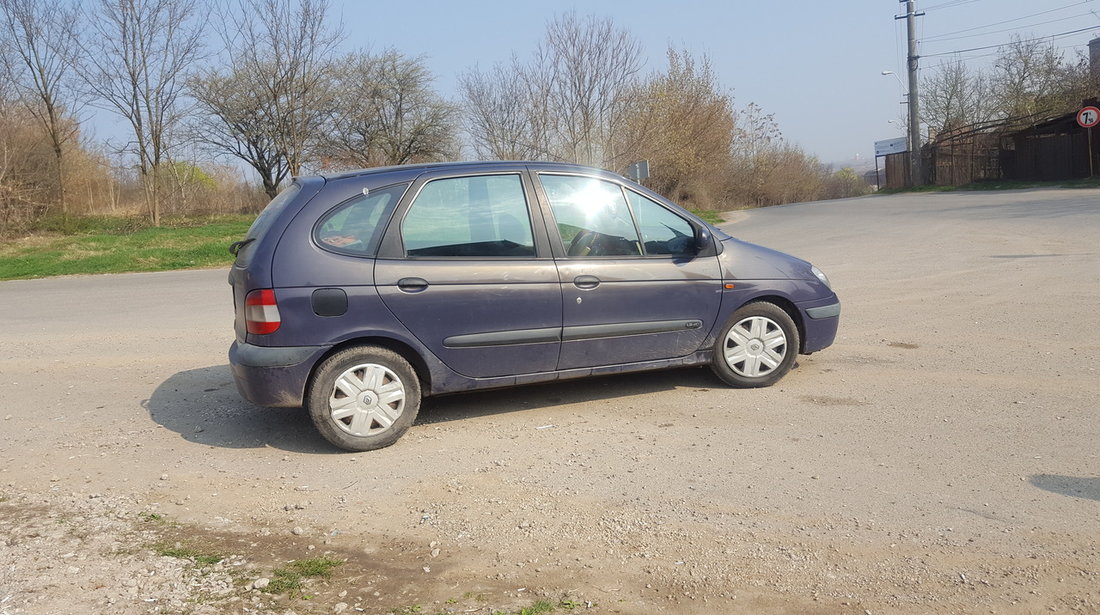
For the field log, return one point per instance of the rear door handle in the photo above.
(586, 282)
(412, 285)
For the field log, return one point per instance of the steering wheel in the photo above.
(583, 243)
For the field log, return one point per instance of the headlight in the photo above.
(821, 276)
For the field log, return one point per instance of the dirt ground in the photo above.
(941, 457)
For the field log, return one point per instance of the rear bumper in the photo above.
(273, 377)
(820, 321)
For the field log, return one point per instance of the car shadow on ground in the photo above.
(463, 406)
(203, 406)
(1087, 487)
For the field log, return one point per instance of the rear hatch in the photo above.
(252, 267)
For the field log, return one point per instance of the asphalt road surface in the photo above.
(942, 457)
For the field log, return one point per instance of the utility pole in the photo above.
(910, 17)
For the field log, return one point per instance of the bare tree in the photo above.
(589, 70)
(683, 123)
(237, 120)
(386, 113)
(135, 64)
(500, 116)
(1031, 78)
(24, 187)
(765, 169)
(569, 103)
(42, 46)
(954, 97)
(757, 133)
(275, 97)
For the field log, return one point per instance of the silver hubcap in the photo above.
(366, 400)
(755, 346)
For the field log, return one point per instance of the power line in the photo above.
(941, 39)
(990, 54)
(1000, 23)
(1030, 40)
(947, 5)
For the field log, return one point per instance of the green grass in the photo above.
(538, 608)
(288, 579)
(120, 245)
(709, 216)
(200, 557)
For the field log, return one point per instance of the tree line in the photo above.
(206, 87)
(1028, 81)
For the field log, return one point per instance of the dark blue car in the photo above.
(358, 294)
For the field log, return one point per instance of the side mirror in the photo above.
(704, 240)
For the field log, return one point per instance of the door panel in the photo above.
(641, 309)
(632, 287)
(469, 283)
(481, 318)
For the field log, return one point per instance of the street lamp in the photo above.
(912, 135)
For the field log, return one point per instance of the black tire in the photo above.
(363, 398)
(757, 346)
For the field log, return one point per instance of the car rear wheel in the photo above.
(757, 347)
(363, 398)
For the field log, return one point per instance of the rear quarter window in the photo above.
(354, 227)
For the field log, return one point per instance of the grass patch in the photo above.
(542, 606)
(181, 551)
(106, 245)
(708, 216)
(288, 579)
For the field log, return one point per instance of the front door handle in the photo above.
(586, 282)
(412, 285)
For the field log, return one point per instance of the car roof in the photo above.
(483, 164)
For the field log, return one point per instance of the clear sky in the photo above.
(815, 64)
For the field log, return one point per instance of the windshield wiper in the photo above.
(236, 246)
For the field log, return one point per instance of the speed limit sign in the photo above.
(1088, 117)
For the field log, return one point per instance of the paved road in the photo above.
(943, 456)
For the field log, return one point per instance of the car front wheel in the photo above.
(757, 347)
(363, 398)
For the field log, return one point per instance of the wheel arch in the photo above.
(407, 352)
(787, 306)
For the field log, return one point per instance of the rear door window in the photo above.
(478, 216)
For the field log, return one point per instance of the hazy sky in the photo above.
(815, 64)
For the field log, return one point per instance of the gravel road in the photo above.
(941, 457)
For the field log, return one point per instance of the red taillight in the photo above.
(261, 313)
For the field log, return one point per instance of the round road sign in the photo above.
(1088, 117)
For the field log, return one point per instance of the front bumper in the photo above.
(273, 376)
(820, 323)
